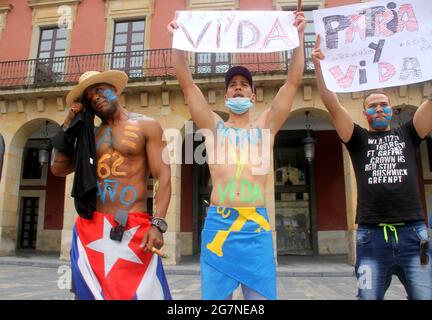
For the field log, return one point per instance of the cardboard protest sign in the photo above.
(375, 44)
(235, 31)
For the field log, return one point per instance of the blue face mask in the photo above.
(238, 105)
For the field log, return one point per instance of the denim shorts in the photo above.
(378, 259)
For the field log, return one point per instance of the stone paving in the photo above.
(47, 279)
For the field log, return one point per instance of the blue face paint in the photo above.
(387, 110)
(110, 95)
(372, 111)
(380, 124)
(377, 123)
(238, 105)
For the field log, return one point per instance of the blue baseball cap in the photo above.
(238, 71)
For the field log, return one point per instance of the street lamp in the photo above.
(44, 148)
(308, 142)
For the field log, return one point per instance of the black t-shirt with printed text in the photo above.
(386, 171)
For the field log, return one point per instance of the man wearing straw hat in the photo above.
(115, 243)
(237, 246)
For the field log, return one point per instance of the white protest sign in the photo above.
(375, 44)
(235, 31)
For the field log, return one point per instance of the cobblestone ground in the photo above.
(35, 283)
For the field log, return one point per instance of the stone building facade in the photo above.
(46, 44)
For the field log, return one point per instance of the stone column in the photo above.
(69, 217)
(270, 204)
(351, 204)
(9, 199)
(172, 246)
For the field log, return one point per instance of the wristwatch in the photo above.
(159, 223)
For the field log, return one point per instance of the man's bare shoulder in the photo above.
(262, 121)
(147, 125)
(133, 116)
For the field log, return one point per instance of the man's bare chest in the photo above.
(116, 147)
(126, 139)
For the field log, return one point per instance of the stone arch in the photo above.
(402, 113)
(193, 176)
(318, 119)
(9, 186)
(318, 192)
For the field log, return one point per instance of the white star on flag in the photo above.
(114, 250)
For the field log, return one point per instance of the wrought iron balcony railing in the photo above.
(144, 65)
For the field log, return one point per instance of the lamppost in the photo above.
(44, 148)
(309, 150)
(308, 142)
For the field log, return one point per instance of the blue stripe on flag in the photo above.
(162, 279)
(82, 291)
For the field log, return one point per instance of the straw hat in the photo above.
(116, 78)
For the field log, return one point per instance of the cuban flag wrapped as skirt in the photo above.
(107, 269)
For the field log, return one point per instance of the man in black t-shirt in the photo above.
(391, 236)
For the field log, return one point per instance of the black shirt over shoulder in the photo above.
(387, 174)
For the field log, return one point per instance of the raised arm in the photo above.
(61, 162)
(282, 103)
(197, 104)
(342, 120)
(423, 117)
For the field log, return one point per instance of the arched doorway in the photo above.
(196, 189)
(404, 113)
(34, 199)
(196, 186)
(293, 190)
(310, 208)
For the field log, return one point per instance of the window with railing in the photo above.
(128, 46)
(50, 64)
(212, 62)
(309, 35)
(155, 63)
